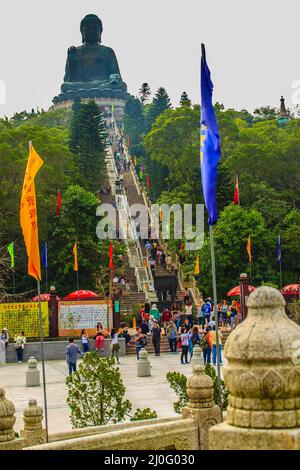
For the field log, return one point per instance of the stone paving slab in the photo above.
(153, 392)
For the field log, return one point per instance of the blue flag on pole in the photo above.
(210, 151)
(45, 256)
(279, 249)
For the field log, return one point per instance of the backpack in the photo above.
(143, 341)
(205, 344)
(195, 339)
(206, 309)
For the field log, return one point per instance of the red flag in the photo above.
(58, 204)
(236, 196)
(181, 247)
(147, 182)
(110, 254)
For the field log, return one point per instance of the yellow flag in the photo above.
(197, 267)
(135, 161)
(28, 214)
(249, 249)
(75, 257)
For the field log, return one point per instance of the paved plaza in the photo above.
(153, 392)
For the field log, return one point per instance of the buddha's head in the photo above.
(91, 29)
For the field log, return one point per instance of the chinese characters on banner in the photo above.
(24, 316)
(78, 315)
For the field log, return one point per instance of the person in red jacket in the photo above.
(166, 317)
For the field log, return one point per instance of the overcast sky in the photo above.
(252, 47)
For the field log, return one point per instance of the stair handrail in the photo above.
(147, 285)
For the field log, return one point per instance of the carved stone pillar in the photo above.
(8, 439)
(244, 294)
(53, 313)
(200, 405)
(33, 431)
(263, 378)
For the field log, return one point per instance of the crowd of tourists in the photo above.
(185, 324)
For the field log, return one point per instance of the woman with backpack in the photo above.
(207, 346)
(194, 339)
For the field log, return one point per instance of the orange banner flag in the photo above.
(75, 257)
(28, 214)
(197, 266)
(249, 249)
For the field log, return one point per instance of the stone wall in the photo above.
(154, 434)
(56, 350)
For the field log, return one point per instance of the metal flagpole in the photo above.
(14, 282)
(77, 279)
(250, 273)
(280, 274)
(43, 361)
(46, 267)
(213, 270)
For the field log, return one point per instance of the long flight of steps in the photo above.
(164, 344)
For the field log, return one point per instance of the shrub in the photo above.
(146, 413)
(177, 382)
(96, 394)
(210, 370)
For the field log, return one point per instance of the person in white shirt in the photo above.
(115, 344)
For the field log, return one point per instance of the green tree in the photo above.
(160, 103)
(88, 143)
(144, 93)
(174, 142)
(231, 233)
(184, 100)
(96, 393)
(265, 113)
(51, 144)
(77, 221)
(134, 120)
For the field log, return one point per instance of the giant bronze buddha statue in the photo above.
(92, 70)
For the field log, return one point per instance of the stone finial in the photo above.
(143, 364)
(7, 418)
(33, 431)
(200, 406)
(143, 355)
(32, 373)
(262, 376)
(32, 363)
(197, 359)
(33, 416)
(199, 389)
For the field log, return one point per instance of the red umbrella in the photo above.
(82, 295)
(291, 289)
(236, 291)
(44, 298)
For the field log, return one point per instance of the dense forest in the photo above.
(262, 152)
(73, 145)
(165, 141)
